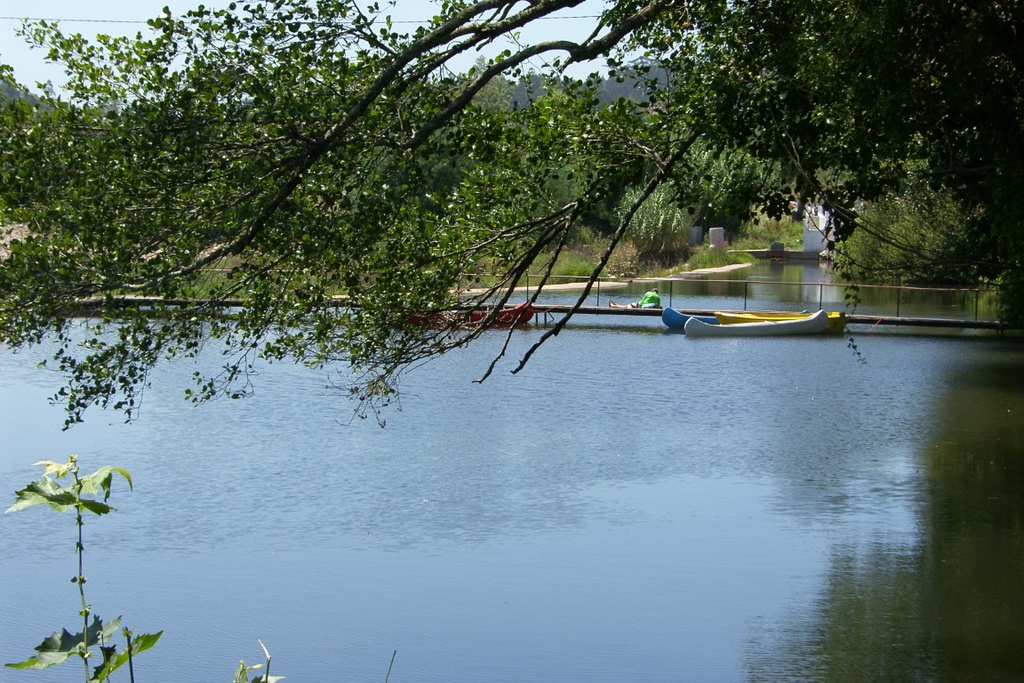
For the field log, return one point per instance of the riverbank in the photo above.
(707, 271)
(621, 284)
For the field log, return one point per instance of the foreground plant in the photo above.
(79, 495)
(243, 671)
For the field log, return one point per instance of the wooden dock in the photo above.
(545, 312)
(856, 319)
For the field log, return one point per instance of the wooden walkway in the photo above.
(872, 320)
(545, 312)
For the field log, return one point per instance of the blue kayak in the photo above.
(675, 320)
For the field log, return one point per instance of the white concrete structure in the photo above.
(697, 234)
(717, 237)
(817, 229)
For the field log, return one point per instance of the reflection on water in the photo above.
(944, 603)
(975, 525)
(634, 506)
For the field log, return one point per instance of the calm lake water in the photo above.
(633, 506)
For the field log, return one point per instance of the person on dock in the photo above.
(649, 300)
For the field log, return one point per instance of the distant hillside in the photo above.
(8, 93)
(632, 82)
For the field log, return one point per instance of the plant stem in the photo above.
(393, 655)
(266, 653)
(80, 579)
(131, 665)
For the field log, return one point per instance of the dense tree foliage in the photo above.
(863, 99)
(277, 155)
(916, 236)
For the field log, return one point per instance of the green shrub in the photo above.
(716, 258)
(760, 232)
(660, 229)
(917, 236)
(575, 263)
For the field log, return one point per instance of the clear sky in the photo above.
(127, 17)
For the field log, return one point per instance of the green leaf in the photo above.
(243, 671)
(114, 661)
(56, 469)
(59, 646)
(102, 479)
(47, 491)
(96, 507)
(44, 491)
(242, 674)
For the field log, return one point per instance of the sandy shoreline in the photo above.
(617, 284)
(705, 271)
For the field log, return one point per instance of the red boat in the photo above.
(509, 316)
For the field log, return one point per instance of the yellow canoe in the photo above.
(836, 319)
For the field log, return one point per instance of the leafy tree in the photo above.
(496, 95)
(660, 230)
(856, 99)
(915, 236)
(276, 156)
(717, 185)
